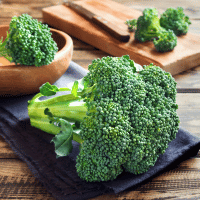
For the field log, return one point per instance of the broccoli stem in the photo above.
(67, 107)
(44, 125)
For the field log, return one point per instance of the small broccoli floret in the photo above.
(166, 41)
(126, 120)
(132, 24)
(176, 20)
(148, 25)
(28, 42)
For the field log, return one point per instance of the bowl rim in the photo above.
(60, 53)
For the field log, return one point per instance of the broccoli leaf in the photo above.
(63, 140)
(47, 89)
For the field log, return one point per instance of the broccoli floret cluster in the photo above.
(29, 42)
(176, 20)
(148, 25)
(163, 31)
(130, 117)
(134, 120)
(166, 41)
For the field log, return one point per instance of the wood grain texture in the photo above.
(174, 182)
(14, 174)
(186, 54)
(16, 180)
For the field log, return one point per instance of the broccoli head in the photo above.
(28, 42)
(148, 25)
(166, 41)
(176, 20)
(123, 115)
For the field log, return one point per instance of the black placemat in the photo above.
(59, 175)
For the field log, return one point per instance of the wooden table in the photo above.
(183, 182)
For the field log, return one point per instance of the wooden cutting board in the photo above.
(186, 54)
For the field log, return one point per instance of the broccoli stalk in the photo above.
(123, 115)
(28, 42)
(66, 106)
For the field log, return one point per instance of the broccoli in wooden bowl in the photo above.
(34, 55)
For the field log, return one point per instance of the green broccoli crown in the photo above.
(134, 120)
(166, 41)
(30, 42)
(148, 25)
(176, 20)
(126, 120)
(106, 131)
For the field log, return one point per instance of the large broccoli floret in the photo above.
(176, 20)
(28, 42)
(125, 121)
(166, 41)
(148, 25)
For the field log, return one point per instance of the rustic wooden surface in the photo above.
(183, 182)
(185, 55)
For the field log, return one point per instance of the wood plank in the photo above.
(191, 7)
(185, 56)
(174, 181)
(189, 112)
(189, 78)
(84, 57)
(5, 150)
(17, 180)
(84, 54)
(80, 45)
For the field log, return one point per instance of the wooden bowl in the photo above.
(22, 79)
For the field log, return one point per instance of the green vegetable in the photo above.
(132, 24)
(148, 25)
(123, 115)
(166, 41)
(28, 42)
(176, 20)
(149, 28)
